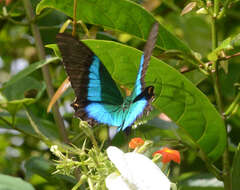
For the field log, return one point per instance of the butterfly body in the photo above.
(98, 99)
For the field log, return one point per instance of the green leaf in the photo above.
(175, 95)
(227, 44)
(121, 15)
(13, 183)
(236, 170)
(25, 72)
(22, 91)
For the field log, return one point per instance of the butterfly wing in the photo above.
(97, 96)
(141, 96)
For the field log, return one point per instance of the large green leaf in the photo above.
(13, 183)
(122, 15)
(176, 96)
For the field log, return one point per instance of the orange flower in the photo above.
(168, 155)
(7, 2)
(135, 142)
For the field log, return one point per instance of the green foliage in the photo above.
(124, 16)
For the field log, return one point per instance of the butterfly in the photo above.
(98, 99)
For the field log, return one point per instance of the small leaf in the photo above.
(25, 72)
(188, 8)
(54, 48)
(13, 183)
(227, 44)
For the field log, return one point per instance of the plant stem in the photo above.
(74, 18)
(226, 165)
(227, 179)
(45, 69)
(216, 88)
(216, 8)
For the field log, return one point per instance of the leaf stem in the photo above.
(45, 69)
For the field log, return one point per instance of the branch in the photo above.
(45, 69)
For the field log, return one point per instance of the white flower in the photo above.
(137, 172)
(54, 149)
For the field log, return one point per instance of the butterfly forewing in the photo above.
(90, 80)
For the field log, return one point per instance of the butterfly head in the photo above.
(149, 92)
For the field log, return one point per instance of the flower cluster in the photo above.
(114, 169)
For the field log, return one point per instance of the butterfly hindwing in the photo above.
(141, 96)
